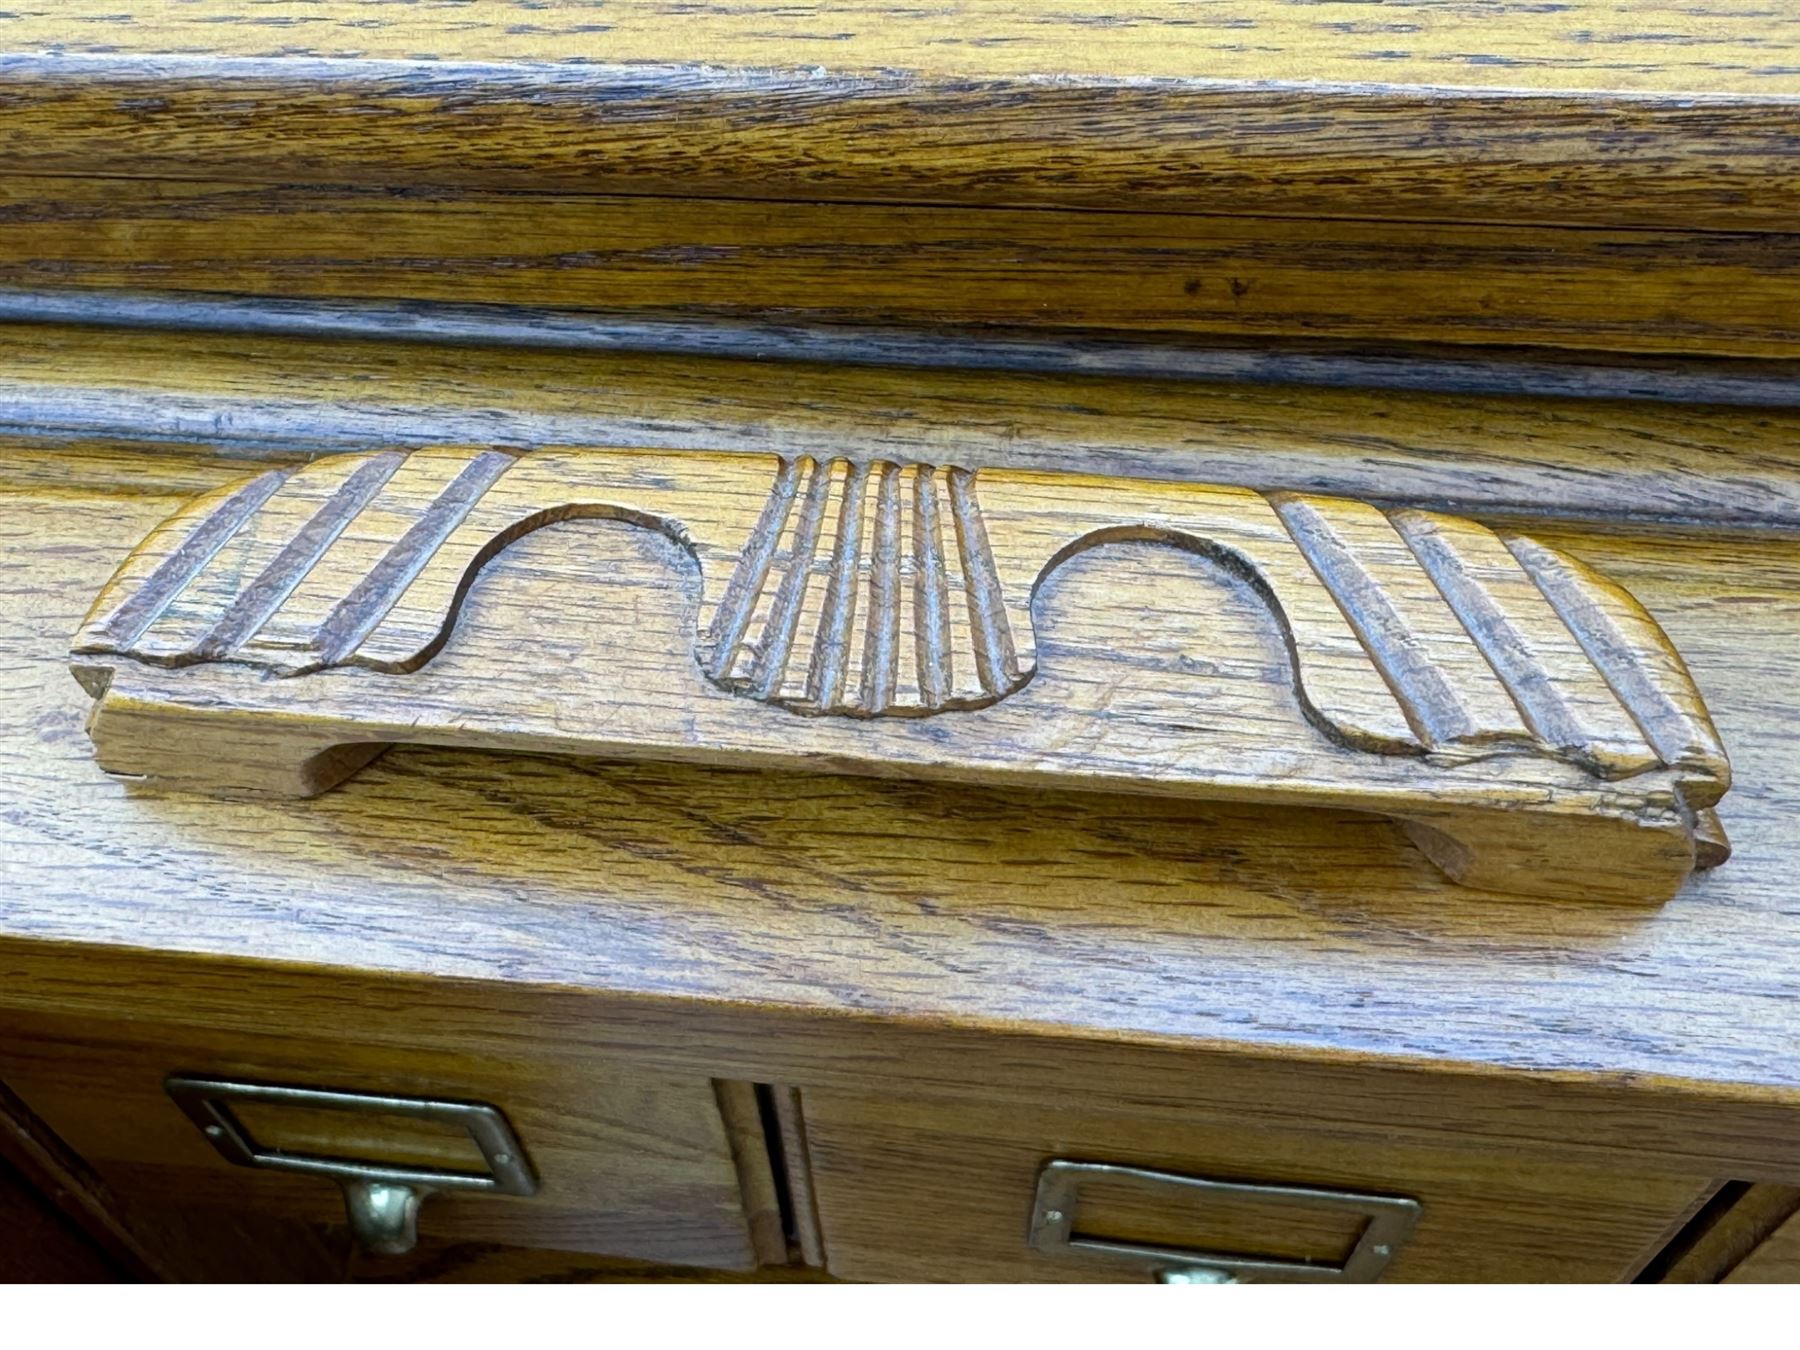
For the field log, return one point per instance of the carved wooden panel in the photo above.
(1526, 719)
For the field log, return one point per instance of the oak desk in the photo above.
(1535, 267)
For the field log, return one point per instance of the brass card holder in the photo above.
(1524, 719)
(1384, 1223)
(381, 1200)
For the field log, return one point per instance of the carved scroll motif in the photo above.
(1435, 662)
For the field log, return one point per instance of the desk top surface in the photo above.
(1647, 112)
(1142, 919)
(1645, 46)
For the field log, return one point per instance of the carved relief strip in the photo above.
(1524, 718)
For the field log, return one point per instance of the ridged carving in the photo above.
(884, 591)
(865, 589)
(874, 589)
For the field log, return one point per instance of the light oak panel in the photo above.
(1734, 1222)
(1651, 46)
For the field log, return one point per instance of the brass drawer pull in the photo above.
(381, 1200)
(1056, 1227)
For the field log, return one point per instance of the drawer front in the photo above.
(921, 1191)
(1775, 1260)
(38, 1245)
(625, 1162)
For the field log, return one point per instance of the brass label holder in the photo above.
(1056, 1211)
(381, 1200)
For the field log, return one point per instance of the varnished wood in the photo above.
(630, 1162)
(754, 1154)
(45, 1165)
(484, 1263)
(790, 1118)
(286, 399)
(1624, 290)
(1662, 113)
(1336, 364)
(1737, 1220)
(942, 984)
(939, 1190)
(144, 1239)
(856, 931)
(1526, 718)
(1775, 1261)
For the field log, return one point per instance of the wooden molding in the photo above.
(1525, 719)
(1531, 119)
(965, 277)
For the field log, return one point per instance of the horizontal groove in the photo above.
(1521, 371)
(1198, 214)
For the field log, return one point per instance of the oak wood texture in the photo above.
(753, 1155)
(1775, 1261)
(790, 1135)
(1733, 1224)
(938, 1190)
(1186, 963)
(630, 1162)
(126, 393)
(143, 1239)
(1070, 273)
(1524, 717)
(1658, 113)
(1515, 371)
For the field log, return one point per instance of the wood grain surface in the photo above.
(959, 983)
(1523, 716)
(1656, 114)
(630, 1162)
(796, 1164)
(1220, 961)
(1732, 1225)
(1433, 368)
(143, 1239)
(125, 392)
(932, 1191)
(1623, 290)
(1775, 1261)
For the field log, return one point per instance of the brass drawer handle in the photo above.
(1056, 1227)
(382, 1201)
